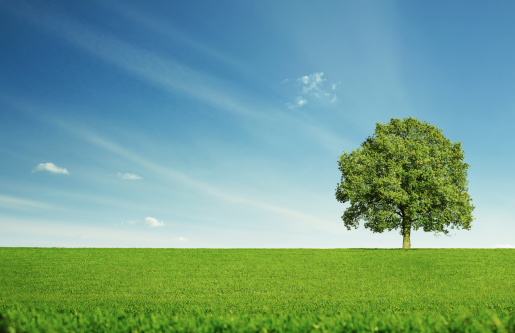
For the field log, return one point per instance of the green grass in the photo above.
(252, 289)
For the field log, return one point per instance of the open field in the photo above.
(256, 289)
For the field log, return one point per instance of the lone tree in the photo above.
(406, 176)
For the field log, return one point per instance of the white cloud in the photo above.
(50, 167)
(152, 222)
(504, 246)
(312, 87)
(128, 176)
(312, 82)
(301, 101)
(181, 239)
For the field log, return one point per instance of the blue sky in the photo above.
(220, 123)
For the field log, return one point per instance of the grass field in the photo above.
(257, 290)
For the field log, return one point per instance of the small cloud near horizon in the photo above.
(181, 239)
(50, 167)
(127, 222)
(153, 223)
(129, 176)
(504, 246)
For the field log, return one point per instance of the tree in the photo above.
(406, 176)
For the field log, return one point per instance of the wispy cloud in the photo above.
(178, 176)
(50, 167)
(123, 223)
(154, 223)
(165, 73)
(21, 204)
(172, 33)
(128, 176)
(65, 234)
(180, 239)
(313, 87)
(162, 72)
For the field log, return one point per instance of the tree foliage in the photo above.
(408, 175)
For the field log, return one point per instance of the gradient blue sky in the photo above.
(220, 123)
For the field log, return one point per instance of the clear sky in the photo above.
(220, 123)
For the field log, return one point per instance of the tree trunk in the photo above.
(406, 241)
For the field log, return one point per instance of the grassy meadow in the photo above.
(257, 290)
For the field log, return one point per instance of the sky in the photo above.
(219, 124)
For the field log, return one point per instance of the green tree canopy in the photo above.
(406, 176)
